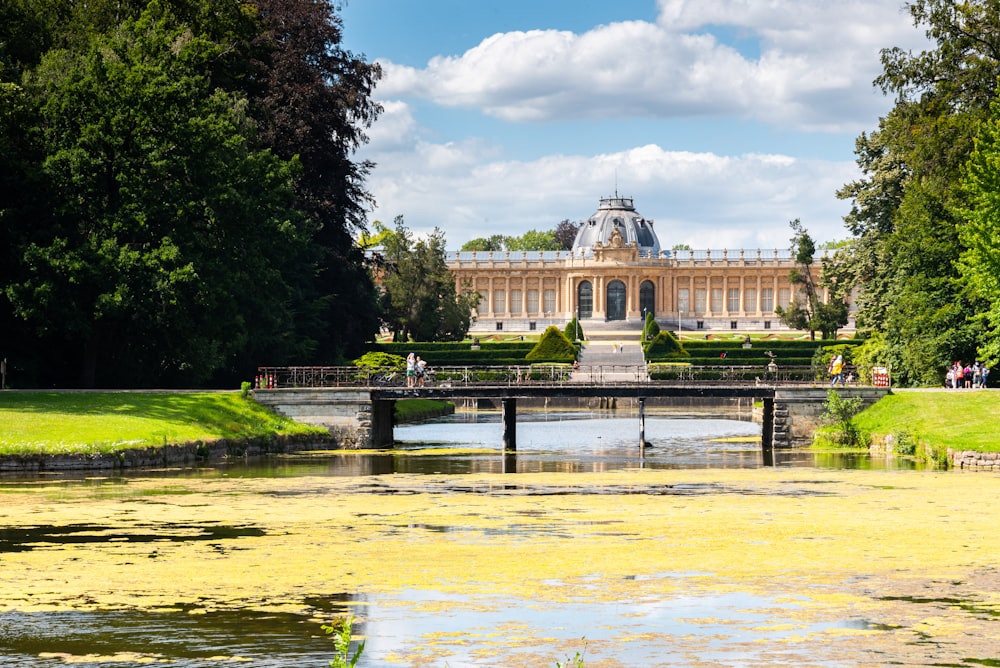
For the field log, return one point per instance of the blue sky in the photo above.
(724, 119)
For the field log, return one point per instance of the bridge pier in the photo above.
(508, 417)
(642, 427)
(382, 419)
(767, 425)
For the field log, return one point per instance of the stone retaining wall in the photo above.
(167, 455)
(971, 459)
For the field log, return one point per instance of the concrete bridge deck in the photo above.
(363, 416)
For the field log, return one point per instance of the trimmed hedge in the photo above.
(553, 346)
(664, 346)
(504, 353)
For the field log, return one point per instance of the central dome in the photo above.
(616, 219)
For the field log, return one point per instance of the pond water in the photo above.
(445, 625)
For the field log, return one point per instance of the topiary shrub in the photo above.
(650, 328)
(552, 346)
(574, 331)
(664, 346)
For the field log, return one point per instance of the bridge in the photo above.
(357, 406)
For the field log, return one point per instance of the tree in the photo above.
(169, 236)
(905, 254)
(184, 198)
(314, 102)
(419, 299)
(980, 234)
(494, 242)
(533, 240)
(565, 233)
(813, 314)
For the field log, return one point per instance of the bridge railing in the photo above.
(541, 374)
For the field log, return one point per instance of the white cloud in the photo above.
(702, 199)
(814, 70)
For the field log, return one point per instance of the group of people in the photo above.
(974, 376)
(416, 371)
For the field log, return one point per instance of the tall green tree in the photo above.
(168, 160)
(980, 234)
(420, 299)
(170, 234)
(906, 248)
(313, 102)
(813, 313)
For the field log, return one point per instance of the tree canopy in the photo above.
(183, 194)
(812, 313)
(419, 297)
(908, 209)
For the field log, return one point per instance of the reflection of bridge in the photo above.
(359, 409)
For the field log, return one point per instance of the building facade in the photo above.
(617, 272)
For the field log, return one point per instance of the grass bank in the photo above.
(414, 410)
(87, 423)
(959, 419)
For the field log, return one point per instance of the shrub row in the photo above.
(416, 347)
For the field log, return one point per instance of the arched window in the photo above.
(647, 298)
(585, 300)
(616, 300)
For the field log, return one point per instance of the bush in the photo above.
(906, 444)
(839, 415)
(380, 361)
(553, 346)
(650, 328)
(664, 346)
(574, 331)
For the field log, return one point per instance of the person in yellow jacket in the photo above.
(837, 370)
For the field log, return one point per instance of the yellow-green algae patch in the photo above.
(818, 545)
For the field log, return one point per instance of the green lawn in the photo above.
(91, 422)
(959, 419)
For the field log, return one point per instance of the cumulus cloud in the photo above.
(702, 199)
(812, 67)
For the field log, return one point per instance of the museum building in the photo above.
(617, 272)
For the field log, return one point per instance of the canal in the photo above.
(701, 551)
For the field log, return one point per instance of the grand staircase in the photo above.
(611, 362)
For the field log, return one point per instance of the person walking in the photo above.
(837, 370)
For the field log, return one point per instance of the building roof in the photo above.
(617, 222)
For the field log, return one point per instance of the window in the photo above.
(515, 301)
(701, 324)
(531, 325)
(750, 300)
(683, 300)
(585, 300)
(499, 301)
(732, 324)
(699, 300)
(647, 298)
(532, 301)
(783, 297)
(767, 324)
(499, 326)
(767, 300)
(716, 300)
(549, 301)
(733, 300)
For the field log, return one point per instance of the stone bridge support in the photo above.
(353, 419)
(797, 412)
